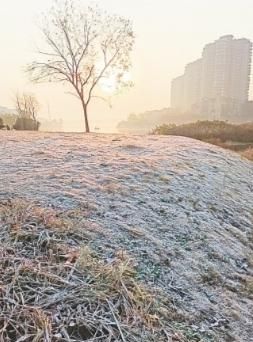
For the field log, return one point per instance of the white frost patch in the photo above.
(181, 207)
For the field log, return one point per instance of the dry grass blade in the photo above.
(53, 287)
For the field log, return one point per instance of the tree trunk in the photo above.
(85, 113)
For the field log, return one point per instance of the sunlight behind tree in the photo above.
(87, 48)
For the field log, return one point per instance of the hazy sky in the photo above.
(169, 34)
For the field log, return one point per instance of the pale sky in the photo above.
(169, 34)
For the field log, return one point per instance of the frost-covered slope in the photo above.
(183, 209)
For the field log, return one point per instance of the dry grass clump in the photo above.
(53, 287)
(249, 287)
(205, 130)
(215, 132)
(211, 277)
(248, 153)
(132, 147)
(112, 188)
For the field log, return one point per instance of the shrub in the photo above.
(26, 124)
(9, 119)
(209, 130)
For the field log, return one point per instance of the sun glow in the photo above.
(110, 84)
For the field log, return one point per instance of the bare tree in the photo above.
(27, 106)
(84, 46)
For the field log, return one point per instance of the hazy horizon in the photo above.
(168, 36)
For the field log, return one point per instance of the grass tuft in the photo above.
(54, 287)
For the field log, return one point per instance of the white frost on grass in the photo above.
(182, 208)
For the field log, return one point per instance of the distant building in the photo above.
(217, 85)
(192, 83)
(177, 92)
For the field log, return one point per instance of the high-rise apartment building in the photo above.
(217, 85)
(177, 92)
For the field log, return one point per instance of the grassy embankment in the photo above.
(230, 136)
